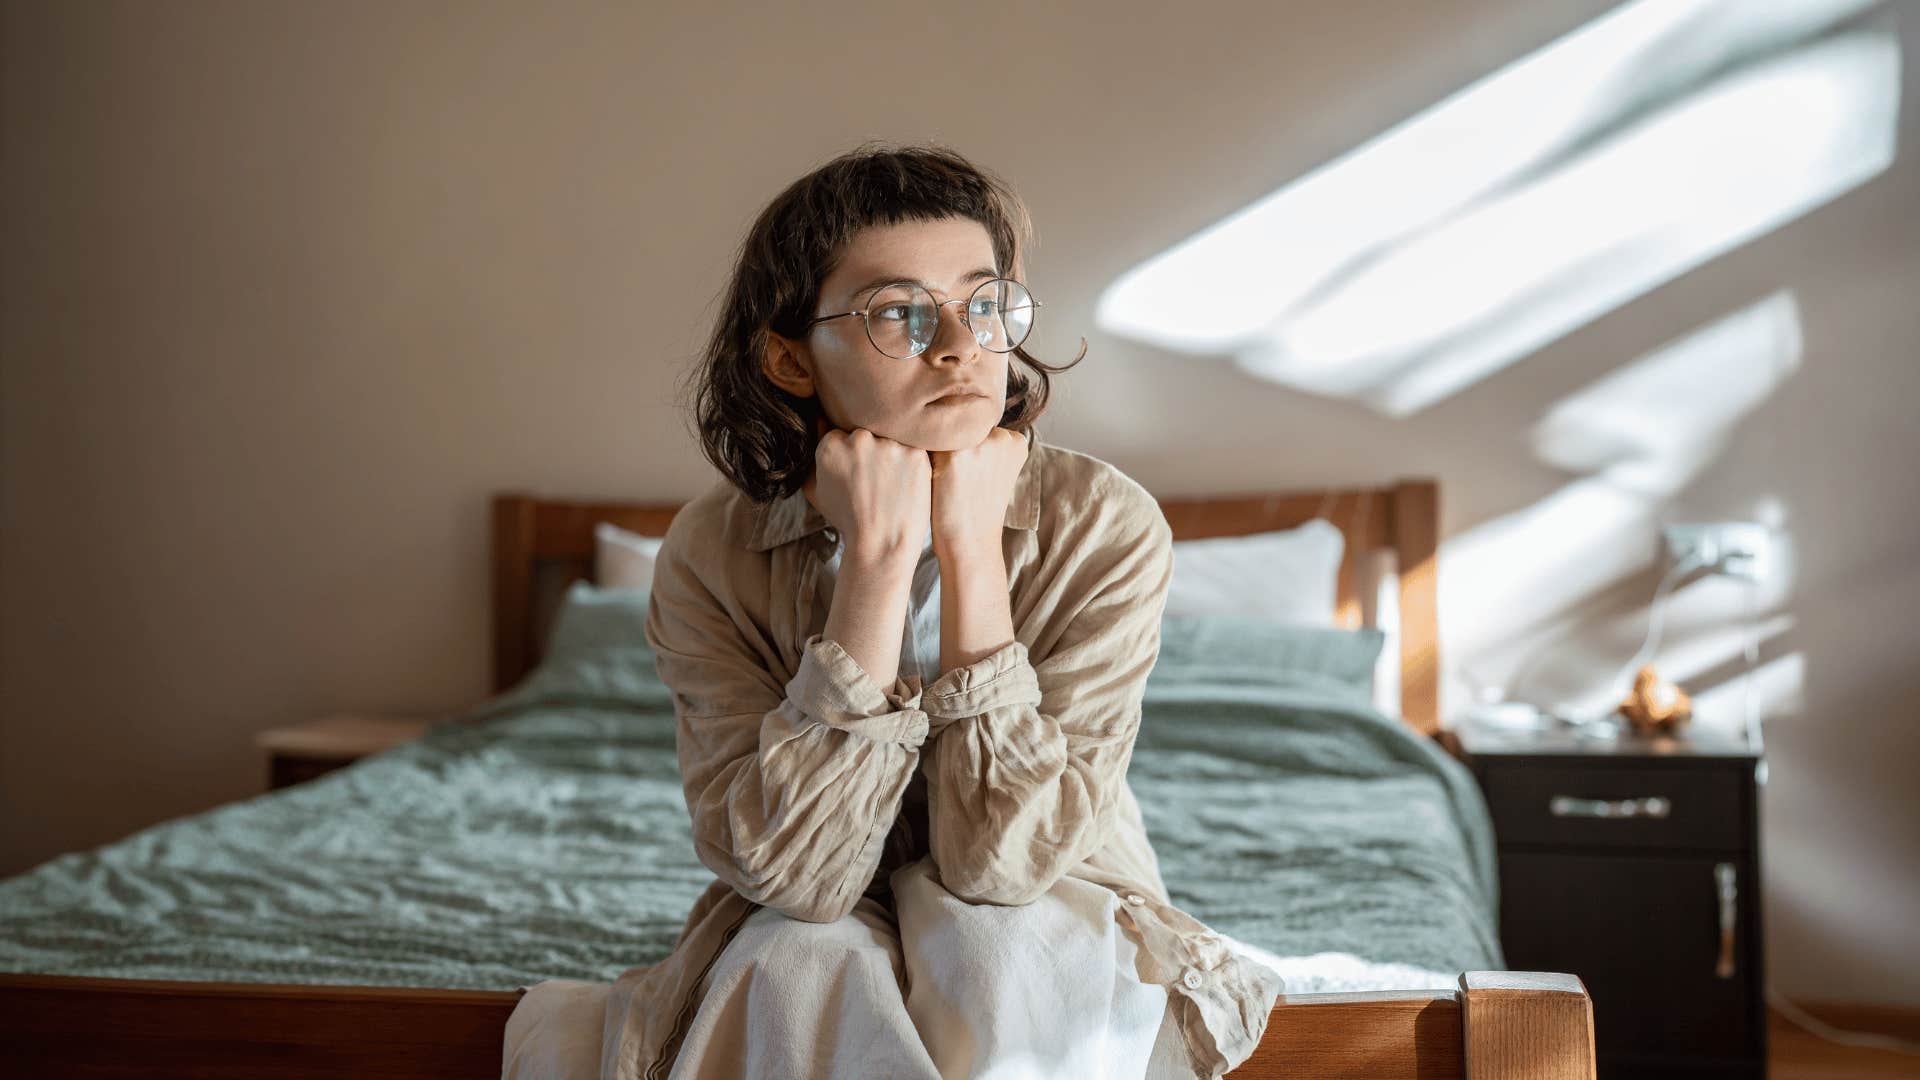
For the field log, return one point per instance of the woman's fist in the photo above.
(877, 492)
(971, 489)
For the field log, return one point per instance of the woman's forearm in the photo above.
(869, 612)
(976, 613)
(1024, 776)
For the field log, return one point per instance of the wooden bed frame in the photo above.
(1493, 1025)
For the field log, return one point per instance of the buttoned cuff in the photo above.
(997, 680)
(830, 686)
(1220, 998)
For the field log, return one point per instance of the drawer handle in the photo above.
(1653, 806)
(1724, 881)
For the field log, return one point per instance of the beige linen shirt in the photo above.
(804, 777)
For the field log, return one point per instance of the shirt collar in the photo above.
(782, 520)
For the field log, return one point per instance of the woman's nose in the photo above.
(961, 343)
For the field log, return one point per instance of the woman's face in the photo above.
(861, 387)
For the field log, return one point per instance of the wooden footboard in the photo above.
(1498, 1025)
(60, 1026)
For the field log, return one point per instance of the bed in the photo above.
(383, 919)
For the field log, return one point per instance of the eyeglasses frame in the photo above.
(937, 305)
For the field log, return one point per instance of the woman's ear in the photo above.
(785, 367)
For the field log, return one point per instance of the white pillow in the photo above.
(1288, 574)
(623, 559)
(1291, 575)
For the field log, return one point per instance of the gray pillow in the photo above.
(1258, 648)
(597, 654)
(593, 618)
(600, 634)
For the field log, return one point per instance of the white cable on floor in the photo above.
(1827, 1031)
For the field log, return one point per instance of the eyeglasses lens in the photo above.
(903, 319)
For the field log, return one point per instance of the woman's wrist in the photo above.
(964, 552)
(869, 611)
(888, 562)
(976, 616)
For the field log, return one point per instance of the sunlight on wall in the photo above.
(1498, 282)
(1640, 434)
(1545, 195)
(1506, 577)
(1651, 425)
(1775, 685)
(1537, 199)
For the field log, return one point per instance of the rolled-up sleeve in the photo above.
(792, 787)
(1026, 760)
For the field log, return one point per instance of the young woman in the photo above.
(908, 643)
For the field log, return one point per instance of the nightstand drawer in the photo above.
(1547, 803)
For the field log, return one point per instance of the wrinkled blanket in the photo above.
(543, 835)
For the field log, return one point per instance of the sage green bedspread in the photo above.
(544, 835)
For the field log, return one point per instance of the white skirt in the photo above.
(935, 987)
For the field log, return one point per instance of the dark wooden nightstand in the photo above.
(1634, 863)
(303, 751)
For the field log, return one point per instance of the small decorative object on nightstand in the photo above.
(303, 751)
(1634, 863)
(1656, 706)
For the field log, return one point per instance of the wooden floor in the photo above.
(1794, 1053)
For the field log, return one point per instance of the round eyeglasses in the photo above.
(903, 318)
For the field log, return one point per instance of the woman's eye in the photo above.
(985, 307)
(891, 311)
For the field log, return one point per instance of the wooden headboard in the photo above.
(542, 545)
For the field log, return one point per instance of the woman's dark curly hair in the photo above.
(761, 437)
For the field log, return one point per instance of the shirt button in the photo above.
(1192, 979)
(1135, 898)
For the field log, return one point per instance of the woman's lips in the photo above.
(957, 397)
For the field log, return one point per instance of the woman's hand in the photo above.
(877, 492)
(971, 489)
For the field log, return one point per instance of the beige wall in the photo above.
(289, 290)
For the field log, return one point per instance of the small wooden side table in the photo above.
(300, 752)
